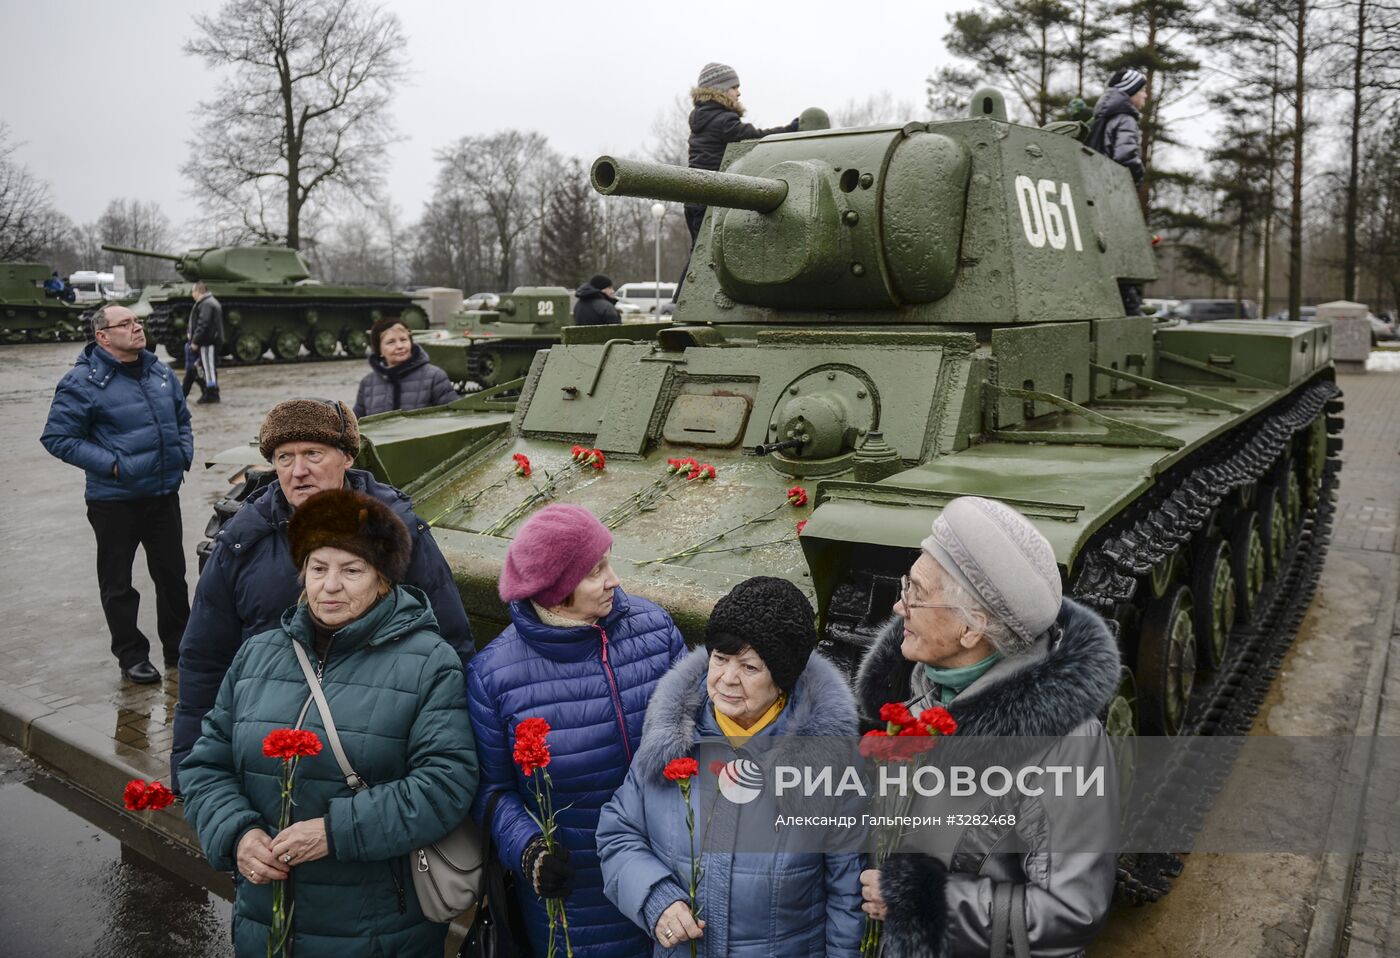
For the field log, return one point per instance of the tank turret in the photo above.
(230, 264)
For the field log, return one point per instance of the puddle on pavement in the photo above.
(70, 887)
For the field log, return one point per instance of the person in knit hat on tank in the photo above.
(249, 579)
(394, 692)
(596, 303)
(584, 656)
(757, 682)
(715, 122)
(983, 629)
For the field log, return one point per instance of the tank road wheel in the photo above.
(1213, 586)
(1120, 722)
(1315, 461)
(1248, 562)
(356, 342)
(1292, 491)
(48, 334)
(11, 336)
(1273, 527)
(287, 345)
(1167, 662)
(1165, 574)
(323, 343)
(248, 348)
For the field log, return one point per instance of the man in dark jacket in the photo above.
(596, 306)
(207, 335)
(249, 580)
(1115, 131)
(714, 124)
(120, 416)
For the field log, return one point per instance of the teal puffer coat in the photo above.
(395, 690)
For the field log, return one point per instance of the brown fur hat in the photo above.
(310, 420)
(355, 522)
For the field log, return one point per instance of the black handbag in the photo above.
(498, 931)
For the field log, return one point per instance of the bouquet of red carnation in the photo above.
(290, 746)
(143, 796)
(532, 756)
(904, 737)
(681, 771)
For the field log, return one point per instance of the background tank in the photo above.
(28, 313)
(270, 303)
(874, 322)
(487, 347)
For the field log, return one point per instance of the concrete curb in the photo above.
(1332, 888)
(90, 760)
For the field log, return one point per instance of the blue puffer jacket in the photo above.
(787, 900)
(592, 684)
(103, 416)
(395, 692)
(249, 581)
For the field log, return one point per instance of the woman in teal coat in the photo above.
(395, 690)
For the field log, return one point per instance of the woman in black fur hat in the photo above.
(394, 689)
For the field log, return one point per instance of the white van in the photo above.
(644, 295)
(90, 286)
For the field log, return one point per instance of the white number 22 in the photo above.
(546, 308)
(1040, 213)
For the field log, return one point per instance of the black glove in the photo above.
(549, 872)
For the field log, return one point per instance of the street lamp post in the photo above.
(658, 210)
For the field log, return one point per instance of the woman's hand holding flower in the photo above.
(301, 842)
(256, 860)
(676, 925)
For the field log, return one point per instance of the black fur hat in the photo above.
(772, 617)
(355, 522)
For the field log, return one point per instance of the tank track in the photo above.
(1152, 533)
(160, 327)
(476, 353)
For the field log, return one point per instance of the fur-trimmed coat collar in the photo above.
(709, 94)
(820, 705)
(1067, 677)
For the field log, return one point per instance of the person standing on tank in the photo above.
(120, 416)
(250, 580)
(400, 376)
(1116, 132)
(595, 303)
(715, 122)
(207, 335)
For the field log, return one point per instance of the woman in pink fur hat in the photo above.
(585, 656)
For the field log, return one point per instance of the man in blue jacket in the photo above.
(119, 415)
(250, 580)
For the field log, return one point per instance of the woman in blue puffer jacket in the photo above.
(754, 696)
(584, 656)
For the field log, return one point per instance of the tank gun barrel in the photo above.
(133, 251)
(661, 181)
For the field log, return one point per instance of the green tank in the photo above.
(270, 302)
(487, 347)
(29, 313)
(874, 322)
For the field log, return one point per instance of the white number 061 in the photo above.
(1040, 213)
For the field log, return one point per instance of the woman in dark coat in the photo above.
(400, 375)
(757, 686)
(394, 688)
(584, 656)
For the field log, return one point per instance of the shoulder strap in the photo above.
(354, 781)
(1001, 917)
(1020, 941)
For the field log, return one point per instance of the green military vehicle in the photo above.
(269, 303)
(481, 348)
(874, 322)
(31, 314)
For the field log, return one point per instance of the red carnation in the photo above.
(595, 458)
(142, 796)
(876, 745)
(673, 465)
(895, 713)
(797, 497)
(531, 749)
(801, 525)
(716, 767)
(707, 471)
(290, 743)
(578, 452)
(522, 464)
(938, 721)
(681, 769)
(158, 797)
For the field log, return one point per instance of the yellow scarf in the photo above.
(733, 729)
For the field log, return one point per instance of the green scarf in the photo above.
(951, 682)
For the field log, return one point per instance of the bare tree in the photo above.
(136, 223)
(304, 112)
(874, 109)
(29, 224)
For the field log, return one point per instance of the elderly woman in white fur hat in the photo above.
(983, 629)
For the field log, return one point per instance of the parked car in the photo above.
(644, 295)
(1209, 310)
(482, 301)
(1160, 308)
(1307, 314)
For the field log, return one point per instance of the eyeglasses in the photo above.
(125, 324)
(904, 598)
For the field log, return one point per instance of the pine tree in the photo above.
(569, 235)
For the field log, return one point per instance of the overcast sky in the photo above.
(101, 97)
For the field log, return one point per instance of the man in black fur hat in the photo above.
(984, 631)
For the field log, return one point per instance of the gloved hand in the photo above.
(548, 871)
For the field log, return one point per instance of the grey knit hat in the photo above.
(1003, 561)
(1128, 80)
(720, 76)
